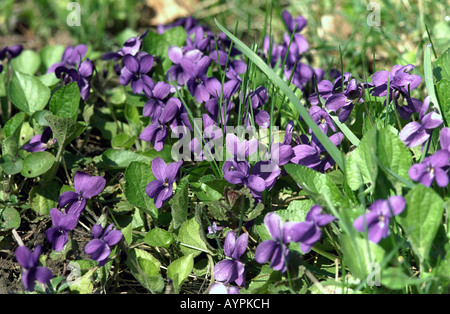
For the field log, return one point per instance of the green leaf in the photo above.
(158, 44)
(179, 203)
(116, 159)
(37, 163)
(123, 140)
(13, 124)
(441, 66)
(51, 55)
(429, 82)
(395, 278)
(421, 219)
(137, 176)
(282, 85)
(318, 186)
(11, 165)
(362, 256)
(27, 93)
(443, 93)
(27, 62)
(83, 284)
(44, 197)
(65, 101)
(10, 218)
(65, 129)
(145, 268)
(159, 238)
(189, 238)
(180, 269)
(377, 146)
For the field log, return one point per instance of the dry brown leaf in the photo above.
(168, 10)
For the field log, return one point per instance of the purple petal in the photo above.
(97, 249)
(88, 186)
(131, 63)
(146, 64)
(240, 246)
(223, 270)
(159, 168)
(265, 250)
(67, 197)
(273, 224)
(113, 237)
(43, 274)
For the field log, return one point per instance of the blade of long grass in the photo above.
(429, 82)
(334, 152)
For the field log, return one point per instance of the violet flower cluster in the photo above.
(72, 68)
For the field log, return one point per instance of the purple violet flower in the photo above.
(157, 132)
(31, 269)
(231, 269)
(41, 142)
(401, 82)
(432, 168)
(100, 246)
(317, 220)
(135, 71)
(276, 250)
(416, 133)
(161, 189)
(238, 172)
(85, 188)
(71, 57)
(157, 95)
(376, 221)
(10, 52)
(196, 72)
(62, 224)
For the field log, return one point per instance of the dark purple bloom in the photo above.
(238, 172)
(161, 189)
(343, 101)
(258, 98)
(196, 72)
(232, 269)
(176, 72)
(432, 168)
(218, 93)
(157, 96)
(31, 269)
(41, 142)
(157, 132)
(131, 47)
(81, 75)
(322, 119)
(62, 224)
(316, 219)
(276, 250)
(293, 25)
(85, 188)
(11, 52)
(100, 246)
(313, 155)
(376, 221)
(300, 75)
(135, 71)
(71, 57)
(401, 82)
(416, 133)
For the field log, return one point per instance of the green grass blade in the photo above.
(334, 152)
(429, 82)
